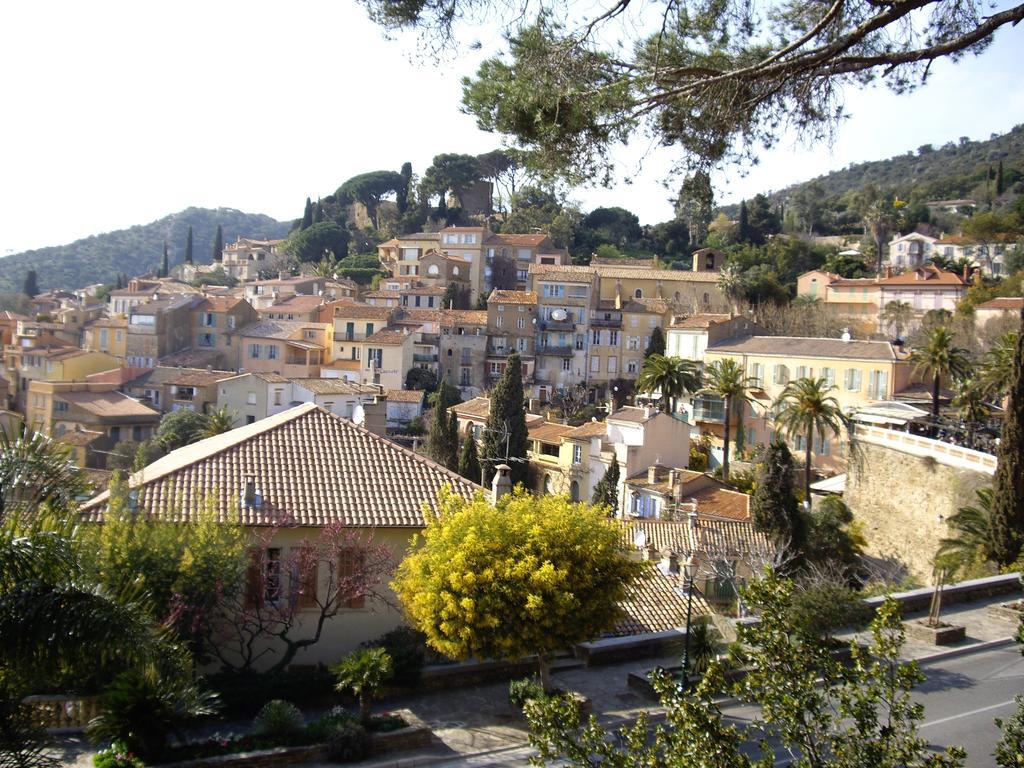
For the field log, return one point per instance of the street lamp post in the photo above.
(690, 573)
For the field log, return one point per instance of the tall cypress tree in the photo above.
(506, 425)
(165, 264)
(318, 212)
(188, 246)
(607, 489)
(218, 245)
(307, 215)
(656, 346)
(443, 442)
(1000, 188)
(1007, 524)
(743, 230)
(402, 193)
(773, 505)
(31, 285)
(469, 460)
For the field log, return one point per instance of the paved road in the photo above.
(962, 695)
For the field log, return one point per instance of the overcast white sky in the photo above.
(118, 112)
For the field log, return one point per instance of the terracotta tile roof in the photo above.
(420, 236)
(388, 336)
(310, 467)
(925, 277)
(647, 306)
(619, 261)
(526, 241)
(464, 316)
(405, 396)
(655, 603)
(670, 275)
(425, 290)
(276, 329)
(699, 321)
(589, 430)
(118, 376)
(477, 408)
(568, 272)
(197, 377)
(463, 229)
(800, 346)
(190, 358)
(388, 243)
(634, 414)
(720, 502)
(341, 365)
(512, 297)
(710, 537)
(660, 484)
(1003, 302)
(363, 312)
(218, 303)
(382, 295)
(79, 437)
(418, 315)
(335, 386)
(8, 315)
(549, 432)
(295, 302)
(109, 405)
(108, 322)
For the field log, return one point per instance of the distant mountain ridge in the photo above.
(953, 170)
(133, 251)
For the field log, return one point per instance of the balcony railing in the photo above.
(606, 322)
(422, 357)
(556, 351)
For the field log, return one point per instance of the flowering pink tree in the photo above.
(289, 595)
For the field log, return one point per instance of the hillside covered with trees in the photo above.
(133, 251)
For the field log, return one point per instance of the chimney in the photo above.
(888, 271)
(673, 475)
(650, 552)
(502, 483)
(691, 517)
(966, 273)
(670, 564)
(652, 475)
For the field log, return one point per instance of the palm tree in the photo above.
(996, 368)
(363, 672)
(671, 376)
(940, 356)
(218, 422)
(969, 400)
(805, 407)
(970, 546)
(897, 314)
(726, 379)
(36, 473)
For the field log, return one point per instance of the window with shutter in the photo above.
(350, 587)
(305, 574)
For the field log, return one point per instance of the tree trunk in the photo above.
(364, 707)
(935, 404)
(807, 469)
(544, 667)
(725, 454)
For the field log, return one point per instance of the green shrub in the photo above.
(698, 460)
(140, 713)
(408, 651)
(278, 719)
(116, 756)
(320, 729)
(819, 608)
(521, 691)
(244, 694)
(348, 743)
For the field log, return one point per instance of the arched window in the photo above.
(638, 293)
(432, 270)
(707, 300)
(574, 491)
(455, 271)
(547, 483)
(678, 296)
